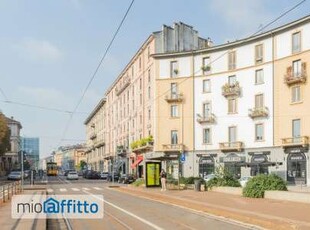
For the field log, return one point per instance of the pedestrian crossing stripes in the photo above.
(64, 190)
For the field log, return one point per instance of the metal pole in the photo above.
(22, 169)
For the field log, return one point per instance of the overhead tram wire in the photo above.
(96, 70)
(3, 94)
(220, 56)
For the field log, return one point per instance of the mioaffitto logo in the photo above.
(56, 206)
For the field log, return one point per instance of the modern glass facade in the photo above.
(31, 149)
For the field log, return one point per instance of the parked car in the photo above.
(126, 179)
(67, 172)
(73, 175)
(244, 180)
(115, 176)
(209, 177)
(104, 175)
(92, 175)
(85, 172)
(15, 175)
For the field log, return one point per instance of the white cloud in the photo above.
(39, 50)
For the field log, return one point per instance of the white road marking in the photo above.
(87, 189)
(97, 188)
(50, 190)
(75, 189)
(63, 190)
(127, 212)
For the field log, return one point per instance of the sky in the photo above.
(49, 51)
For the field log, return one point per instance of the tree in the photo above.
(82, 165)
(4, 135)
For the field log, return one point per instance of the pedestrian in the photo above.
(163, 178)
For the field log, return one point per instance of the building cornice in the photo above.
(96, 109)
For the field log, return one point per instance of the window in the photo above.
(259, 76)
(149, 114)
(259, 132)
(140, 83)
(232, 105)
(259, 54)
(206, 110)
(232, 134)
(132, 70)
(232, 80)
(173, 69)
(296, 128)
(140, 99)
(259, 101)
(148, 52)
(296, 97)
(297, 68)
(206, 65)
(174, 111)
(174, 137)
(149, 76)
(173, 89)
(232, 60)
(206, 86)
(296, 42)
(149, 92)
(140, 63)
(207, 136)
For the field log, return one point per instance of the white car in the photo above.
(15, 175)
(244, 180)
(72, 176)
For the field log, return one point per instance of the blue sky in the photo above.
(50, 49)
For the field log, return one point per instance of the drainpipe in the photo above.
(194, 109)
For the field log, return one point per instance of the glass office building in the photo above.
(30, 147)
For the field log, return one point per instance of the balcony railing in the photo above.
(229, 90)
(147, 147)
(119, 89)
(206, 119)
(173, 147)
(295, 141)
(99, 143)
(292, 77)
(121, 150)
(174, 97)
(231, 146)
(93, 136)
(259, 112)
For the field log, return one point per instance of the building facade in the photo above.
(129, 107)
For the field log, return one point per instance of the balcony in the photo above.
(231, 146)
(93, 136)
(231, 90)
(174, 97)
(144, 148)
(208, 119)
(295, 141)
(173, 147)
(291, 78)
(99, 143)
(120, 88)
(259, 112)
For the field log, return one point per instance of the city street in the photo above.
(124, 211)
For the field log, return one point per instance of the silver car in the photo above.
(15, 175)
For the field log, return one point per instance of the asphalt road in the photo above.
(123, 211)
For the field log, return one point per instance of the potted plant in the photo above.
(205, 68)
(150, 140)
(176, 71)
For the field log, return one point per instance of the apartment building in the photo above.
(95, 138)
(129, 108)
(70, 156)
(292, 99)
(242, 105)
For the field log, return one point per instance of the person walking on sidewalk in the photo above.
(163, 178)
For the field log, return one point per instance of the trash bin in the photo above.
(197, 185)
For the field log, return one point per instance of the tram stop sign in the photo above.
(182, 157)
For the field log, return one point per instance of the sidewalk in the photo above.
(269, 214)
(6, 221)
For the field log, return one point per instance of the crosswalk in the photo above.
(64, 190)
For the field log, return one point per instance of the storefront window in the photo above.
(296, 168)
(206, 166)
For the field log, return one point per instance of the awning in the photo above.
(138, 160)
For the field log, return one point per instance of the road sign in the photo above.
(182, 157)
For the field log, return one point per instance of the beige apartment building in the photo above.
(130, 117)
(292, 100)
(95, 138)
